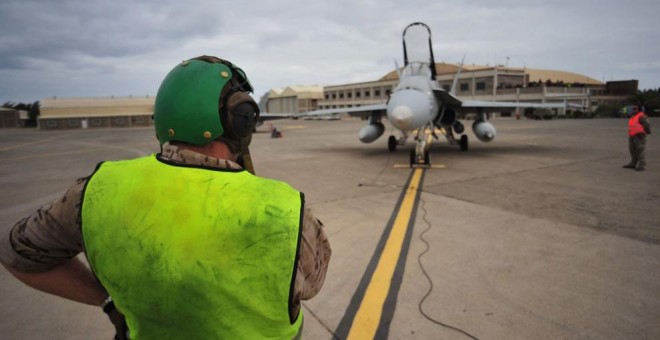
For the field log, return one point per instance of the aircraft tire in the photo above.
(463, 142)
(427, 158)
(391, 143)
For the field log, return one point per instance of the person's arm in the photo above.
(41, 251)
(71, 280)
(314, 256)
(645, 123)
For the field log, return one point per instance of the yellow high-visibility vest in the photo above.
(194, 253)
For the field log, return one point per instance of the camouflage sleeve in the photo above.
(645, 123)
(48, 237)
(312, 262)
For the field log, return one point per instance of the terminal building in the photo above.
(496, 83)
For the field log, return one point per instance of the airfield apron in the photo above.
(189, 252)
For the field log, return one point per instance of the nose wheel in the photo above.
(419, 159)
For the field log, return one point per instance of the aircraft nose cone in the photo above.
(409, 109)
(401, 116)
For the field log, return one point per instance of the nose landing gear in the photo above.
(420, 155)
(422, 160)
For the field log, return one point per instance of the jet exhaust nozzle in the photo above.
(371, 132)
(484, 131)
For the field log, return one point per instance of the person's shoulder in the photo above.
(271, 181)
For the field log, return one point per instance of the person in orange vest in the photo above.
(638, 128)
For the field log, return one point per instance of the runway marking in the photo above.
(433, 166)
(372, 306)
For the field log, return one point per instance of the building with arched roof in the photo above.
(496, 83)
(294, 99)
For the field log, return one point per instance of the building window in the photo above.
(327, 96)
(366, 93)
(481, 86)
(446, 87)
(357, 94)
(51, 123)
(341, 95)
(96, 122)
(334, 96)
(465, 87)
(349, 95)
(377, 93)
(73, 123)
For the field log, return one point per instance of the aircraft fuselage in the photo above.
(412, 104)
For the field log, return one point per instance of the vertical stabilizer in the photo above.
(452, 91)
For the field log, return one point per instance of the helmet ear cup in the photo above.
(243, 119)
(239, 115)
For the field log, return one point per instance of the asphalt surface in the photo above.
(538, 234)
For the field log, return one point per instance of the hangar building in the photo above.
(63, 113)
(496, 83)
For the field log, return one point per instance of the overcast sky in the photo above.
(83, 48)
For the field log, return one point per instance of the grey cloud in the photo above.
(62, 30)
(62, 46)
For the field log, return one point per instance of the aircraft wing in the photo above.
(265, 116)
(493, 106)
(272, 116)
(358, 111)
(474, 106)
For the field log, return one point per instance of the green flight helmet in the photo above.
(188, 100)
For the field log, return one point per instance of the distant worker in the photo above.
(275, 133)
(183, 244)
(638, 128)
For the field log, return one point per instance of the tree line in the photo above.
(648, 99)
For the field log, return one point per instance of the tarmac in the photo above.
(539, 234)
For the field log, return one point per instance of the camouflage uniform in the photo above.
(52, 235)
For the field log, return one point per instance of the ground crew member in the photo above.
(638, 128)
(185, 244)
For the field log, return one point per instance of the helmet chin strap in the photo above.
(245, 156)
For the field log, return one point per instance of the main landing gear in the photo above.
(463, 143)
(391, 143)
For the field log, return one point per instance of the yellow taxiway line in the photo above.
(366, 320)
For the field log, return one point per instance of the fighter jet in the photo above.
(417, 105)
